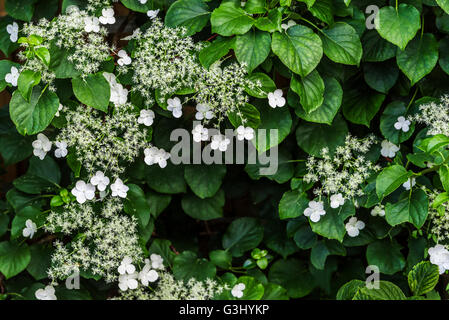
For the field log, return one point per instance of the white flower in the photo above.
(220, 142)
(203, 112)
(439, 256)
(143, 1)
(156, 261)
(174, 105)
(244, 133)
(402, 124)
(200, 133)
(155, 155)
(126, 266)
(41, 146)
(152, 13)
(128, 281)
(388, 149)
(100, 181)
(287, 25)
(407, 183)
(83, 191)
(119, 95)
(91, 24)
(275, 99)
(146, 275)
(13, 30)
(12, 76)
(354, 226)
(378, 211)
(61, 149)
(315, 211)
(146, 117)
(59, 109)
(119, 189)
(107, 16)
(30, 229)
(46, 294)
(124, 58)
(337, 200)
(242, 3)
(237, 290)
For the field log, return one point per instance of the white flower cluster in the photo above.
(439, 219)
(75, 32)
(104, 145)
(439, 256)
(107, 237)
(119, 94)
(42, 145)
(129, 276)
(155, 155)
(345, 172)
(13, 76)
(435, 116)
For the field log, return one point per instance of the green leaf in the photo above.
(254, 290)
(341, 44)
(221, 258)
(20, 9)
(34, 116)
(168, 180)
(305, 238)
(27, 81)
(60, 63)
(412, 207)
(386, 255)
(270, 23)
(444, 58)
(32, 184)
(204, 209)
(157, 202)
(443, 172)
(375, 48)
(94, 91)
(136, 5)
(381, 76)
(312, 138)
(14, 258)
(322, 10)
(204, 180)
(293, 275)
(40, 261)
(215, 51)
(444, 4)
(252, 48)
(255, 6)
(360, 105)
(228, 20)
(386, 291)
(191, 14)
(390, 179)
(43, 54)
(187, 265)
(326, 112)
(249, 113)
(300, 49)
(292, 204)
(243, 234)
(310, 90)
(349, 289)
(419, 57)
(267, 85)
(15, 148)
(423, 278)
(398, 26)
(137, 205)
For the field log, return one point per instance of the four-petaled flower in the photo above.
(119, 189)
(30, 229)
(203, 112)
(200, 133)
(48, 293)
(128, 281)
(155, 155)
(220, 142)
(126, 266)
(61, 149)
(275, 99)
(378, 211)
(402, 124)
(83, 191)
(315, 211)
(439, 256)
(174, 105)
(91, 24)
(388, 149)
(237, 290)
(147, 275)
(119, 95)
(244, 133)
(12, 76)
(157, 262)
(354, 226)
(287, 25)
(146, 117)
(100, 181)
(107, 16)
(125, 59)
(337, 200)
(41, 146)
(152, 14)
(13, 30)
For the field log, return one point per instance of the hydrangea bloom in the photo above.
(12, 76)
(157, 262)
(107, 16)
(146, 117)
(119, 189)
(409, 183)
(152, 14)
(388, 149)
(147, 275)
(126, 266)
(315, 211)
(337, 200)
(61, 149)
(354, 226)
(275, 99)
(220, 142)
(155, 155)
(128, 281)
(203, 112)
(402, 124)
(237, 290)
(378, 211)
(100, 181)
(48, 293)
(244, 133)
(13, 30)
(124, 59)
(41, 146)
(174, 105)
(91, 24)
(30, 229)
(439, 256)
(200, 133)
(83, 191)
